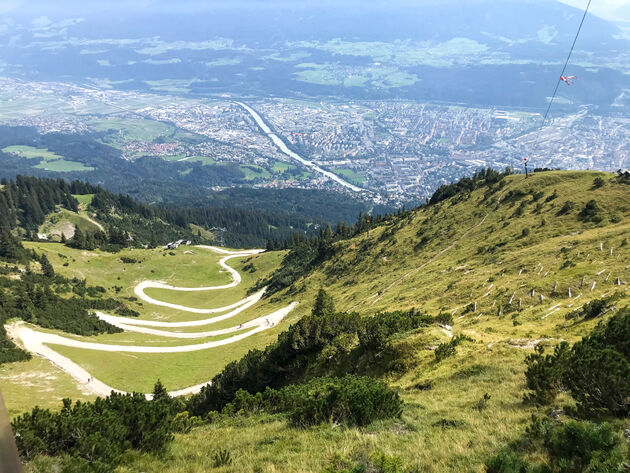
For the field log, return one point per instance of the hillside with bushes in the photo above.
(485, 331)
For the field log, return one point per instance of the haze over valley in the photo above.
(346, 236)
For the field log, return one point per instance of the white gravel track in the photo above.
(236, 280)
(245, 304)
(35, 341)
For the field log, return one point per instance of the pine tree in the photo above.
(159, 392)
(47, 268)
(324, 304)
(78, 240)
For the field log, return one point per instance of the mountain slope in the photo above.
(515, 236)
(481, 259)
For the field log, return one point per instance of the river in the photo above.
(285, 149)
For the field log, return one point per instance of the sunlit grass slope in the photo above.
(501, 249)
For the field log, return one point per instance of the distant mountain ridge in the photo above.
(280, 49)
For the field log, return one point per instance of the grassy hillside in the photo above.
(514, 237)
(508, 262)
(490, 246)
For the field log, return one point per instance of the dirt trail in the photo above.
(35, 341)
(242, 305)
(93, 222)
(236, 280)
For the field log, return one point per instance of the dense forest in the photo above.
(25, 202)
(154, 180)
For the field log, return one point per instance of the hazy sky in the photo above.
(604, 8)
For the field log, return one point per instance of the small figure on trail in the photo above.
(267, 320)
(568, 79)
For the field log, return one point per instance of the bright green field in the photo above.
(132, 130)
(85, 200)
(30, 152)
(61, 165)
(37, 383)
(139, 371)
(50, 161)
(188, 267)
(279, 166)
(206, 160)
(350, 174)
(254, 172)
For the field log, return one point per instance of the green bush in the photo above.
(97, 433)
(574, 447)
(591, 212)
(349, 400)
(545, 372)
(598, 389)
(376, 331)
(566, 208)
(444, 318)
(598, 182)
(445, 350)
(595, 370)
(324, 304)
(591, 310)
(506, 462)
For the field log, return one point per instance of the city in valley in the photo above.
(387, 149)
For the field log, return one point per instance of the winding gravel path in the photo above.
(244, 304)
(35, 341)
(236, 280)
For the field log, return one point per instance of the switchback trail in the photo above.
(236, 280)
(36, 342)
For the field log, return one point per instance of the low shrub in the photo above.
(97, 433)
(350, 400)
(579, 370)
(445, 350)
(544, 373)
(566, 208)
(444, 318)
(591, 212)
(574, 447)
